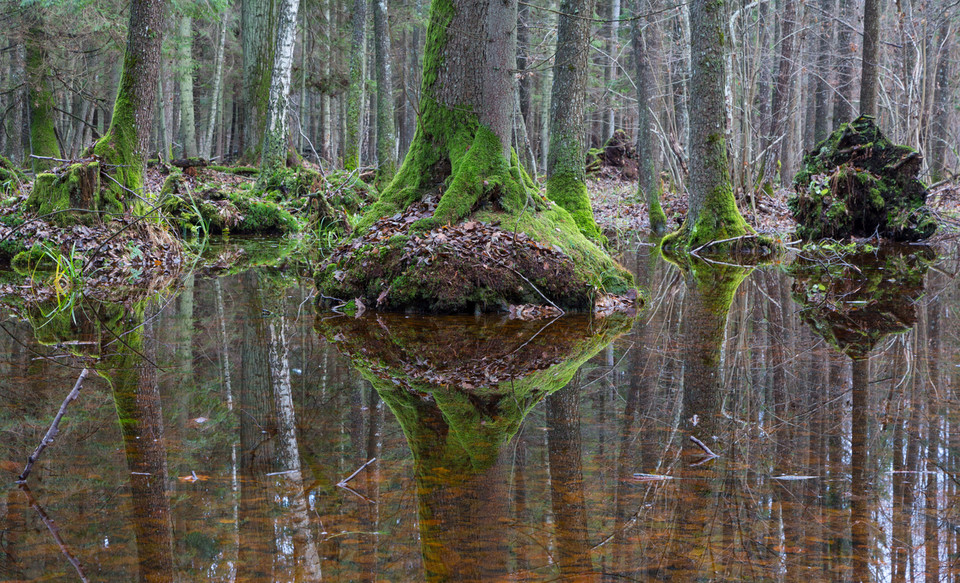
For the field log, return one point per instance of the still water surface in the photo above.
(258, 441)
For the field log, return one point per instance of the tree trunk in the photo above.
(778, 139)
(566, 172)
(869, 73)
(258, 21)
(276, 133)
(326, 127)
(386, 133)
(712, 210)
(941, 112)
(821, 122)
(649, 181)
(843, 99)
(216, 96)
(188, 128)
(43, 133)
(127, 141)
(355, 92)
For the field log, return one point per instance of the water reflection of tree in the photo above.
(460, 437)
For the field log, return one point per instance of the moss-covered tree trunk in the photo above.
(386, 132)
(712, 213)
(43, 134)
(566, 172)
(258, 19)
(649, 183)
(358, 51)
(124, 147)
(275, 135)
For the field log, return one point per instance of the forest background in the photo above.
(792, 75)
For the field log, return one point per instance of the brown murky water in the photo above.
(235, 437)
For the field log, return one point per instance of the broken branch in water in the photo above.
(54, 531)
(703, 446)
(342, 483)
(54, 427)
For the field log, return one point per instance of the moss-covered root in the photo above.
(11, 177)
(570, 193)
(658, 220)
(717, 226)
(72, 196)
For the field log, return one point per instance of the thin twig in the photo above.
(704, 447)
(49, 158)
(344, 481)
(54, 427)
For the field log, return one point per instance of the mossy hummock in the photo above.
(460, 152)
(857, 183)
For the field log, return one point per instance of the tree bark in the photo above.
(869, 73)
(778, 138)
(941, 112)
(355, 92)
(276, 133)
(217, 93)
(821, 122)
(566, 172)
(258, 18)
(127, 141)
(386, 132)
(712, 210)
(43, 132)
(649, 182)
(188, 128)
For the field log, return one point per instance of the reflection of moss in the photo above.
(715, 283)
(460, 387)
(854, 300)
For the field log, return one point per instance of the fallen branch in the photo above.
(54, 427)
(342, 483)
(703, 446)
(54, 531)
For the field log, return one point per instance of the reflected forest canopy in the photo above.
(462, 290)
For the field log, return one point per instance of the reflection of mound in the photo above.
(855, 301)
(479, 354)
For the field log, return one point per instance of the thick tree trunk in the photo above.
(258, 21)
(188, 128)
(276, 133)
(712, 210)
(869, 73)
(566, 172)
(355, 92)
(386, 132)
(43, 133)
(649, 181)
(127, 141)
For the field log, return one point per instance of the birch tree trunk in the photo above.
(566, 173)
(386, 132)
(217, 94)
(276, 133)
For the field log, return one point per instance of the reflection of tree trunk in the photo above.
(566, 482)
(296, 518)
(257, 426)
(371, 511)
(934, 414)
(859, 484)
(137, 396)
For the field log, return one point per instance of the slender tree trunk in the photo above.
(611, 70)
(778, 140)
(326, 127)
(188, 128)
(566, 173)
(386, 133)
(355, 92)
(165, 90)
(217, 93)
(649, 182)
(846, 83)
(869, 73)
(277, 132)
(822, 118)
(941, 112)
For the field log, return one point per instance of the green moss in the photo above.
(43, 134)
(719, 220)
(570, 193)
(75, 195)
(238, 170)
(31, 260)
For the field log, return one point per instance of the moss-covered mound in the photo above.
(11, 177)
(487, 263)
(853, 298)
(459, 385)
(80, 192)
(858, 183)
